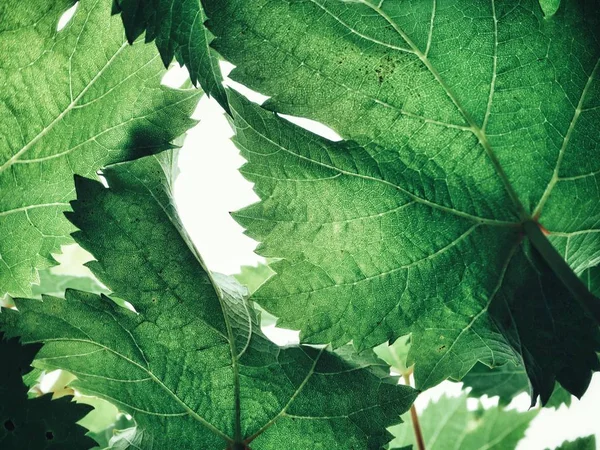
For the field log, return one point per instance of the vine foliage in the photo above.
(454, 228)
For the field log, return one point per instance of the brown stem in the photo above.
(415, 419)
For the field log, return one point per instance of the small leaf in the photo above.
(448, 423)
(127, 438)
(396, 355)
(560, 396)
(507, 382)
(254, 276)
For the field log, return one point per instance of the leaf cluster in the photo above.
(456, 220)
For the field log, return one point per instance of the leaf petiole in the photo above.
(415, 419)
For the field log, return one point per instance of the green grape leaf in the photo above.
(470, 129)
(38, 423)
(179, 31)
(507, 382)
(71, 102)
(583, 443)
(448, 423)
(191, 365)
(254, 276)
(339, 288)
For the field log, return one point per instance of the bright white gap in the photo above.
(49, 380)
(551, 427)
(71, 261)
(253, 96)
(312, 125)
(66, 17)
(102, 178)
(176, 76)
(209, 186)
(256, 97)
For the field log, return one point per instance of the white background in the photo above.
(210, 187)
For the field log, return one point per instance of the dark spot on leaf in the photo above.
(441, 348)
(49, 435)
(9, 425)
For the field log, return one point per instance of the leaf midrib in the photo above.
(297, 392)
(476, 317)
(219, 294)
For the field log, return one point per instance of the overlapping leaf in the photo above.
(56, 284)
(178, 28)
(448, 424)
(38, 423)
(471, 129)
(506, 382)
(71, 101)
(191, 365)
